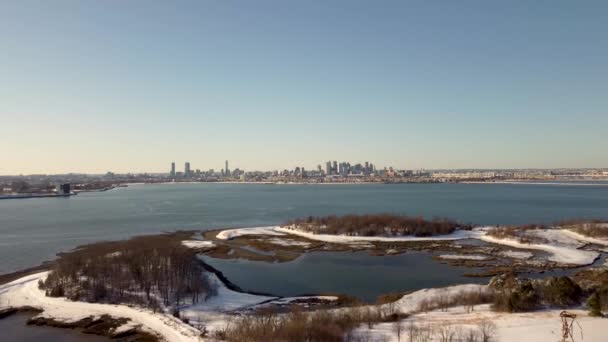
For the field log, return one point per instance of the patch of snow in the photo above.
(226, 300)
(517, 254)
(410, 302)
(463, 257)
(198, 244)
(560, 251)
(232, 233)
(126, 327)
(584, 238)
(284, 242)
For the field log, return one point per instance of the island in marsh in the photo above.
(527, 248)
(157, 288)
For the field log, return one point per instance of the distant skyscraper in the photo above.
(328, 168)
(173, 169)
(187, 168)
(227, 170)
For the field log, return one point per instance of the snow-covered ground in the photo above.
(533, 326)
(583, 238)
(562, 248)
(216, 313)
(25, 292)
(232, 233)
(410, 302)
(543, 326)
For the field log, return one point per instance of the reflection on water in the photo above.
(352, 273)
(13, 328)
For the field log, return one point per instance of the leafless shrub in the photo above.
(398, 329)
(446, 333)
(425, 333)
(518, 233)
(322, 325)
(594, 229)
(469, 335)
(466, 298)
(487, 331)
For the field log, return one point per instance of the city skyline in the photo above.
(126, 87)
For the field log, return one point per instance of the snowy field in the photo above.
(215, 314)
(543, 326)
(518, 327)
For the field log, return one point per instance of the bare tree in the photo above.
(446, 333)
(398, 329)
(487, 331)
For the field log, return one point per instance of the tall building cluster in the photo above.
(211, 174)
(345, 168)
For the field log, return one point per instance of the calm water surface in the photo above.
(33, 230)
(13, 328)
(354, 273)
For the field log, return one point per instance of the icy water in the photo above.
(354, 273)
(13, 329)
(33, 230)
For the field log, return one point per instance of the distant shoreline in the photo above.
(537, 183)
(531, 182)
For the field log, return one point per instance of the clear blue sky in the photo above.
(92, 86)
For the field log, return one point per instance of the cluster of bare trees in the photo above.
(412, 332)
(467, 298)
(146, 270)
(295, 326)
(377, 225)
(594, 229)
(347, 324)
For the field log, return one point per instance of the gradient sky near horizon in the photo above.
(96, 86)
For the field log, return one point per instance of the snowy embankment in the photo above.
(532, 326)
(346, 239)
(538, 326)
(232, 233)
(214, 313)
(562, 248)
(583, 238)
(25, 292)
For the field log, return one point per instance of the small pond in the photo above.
(352, 273)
